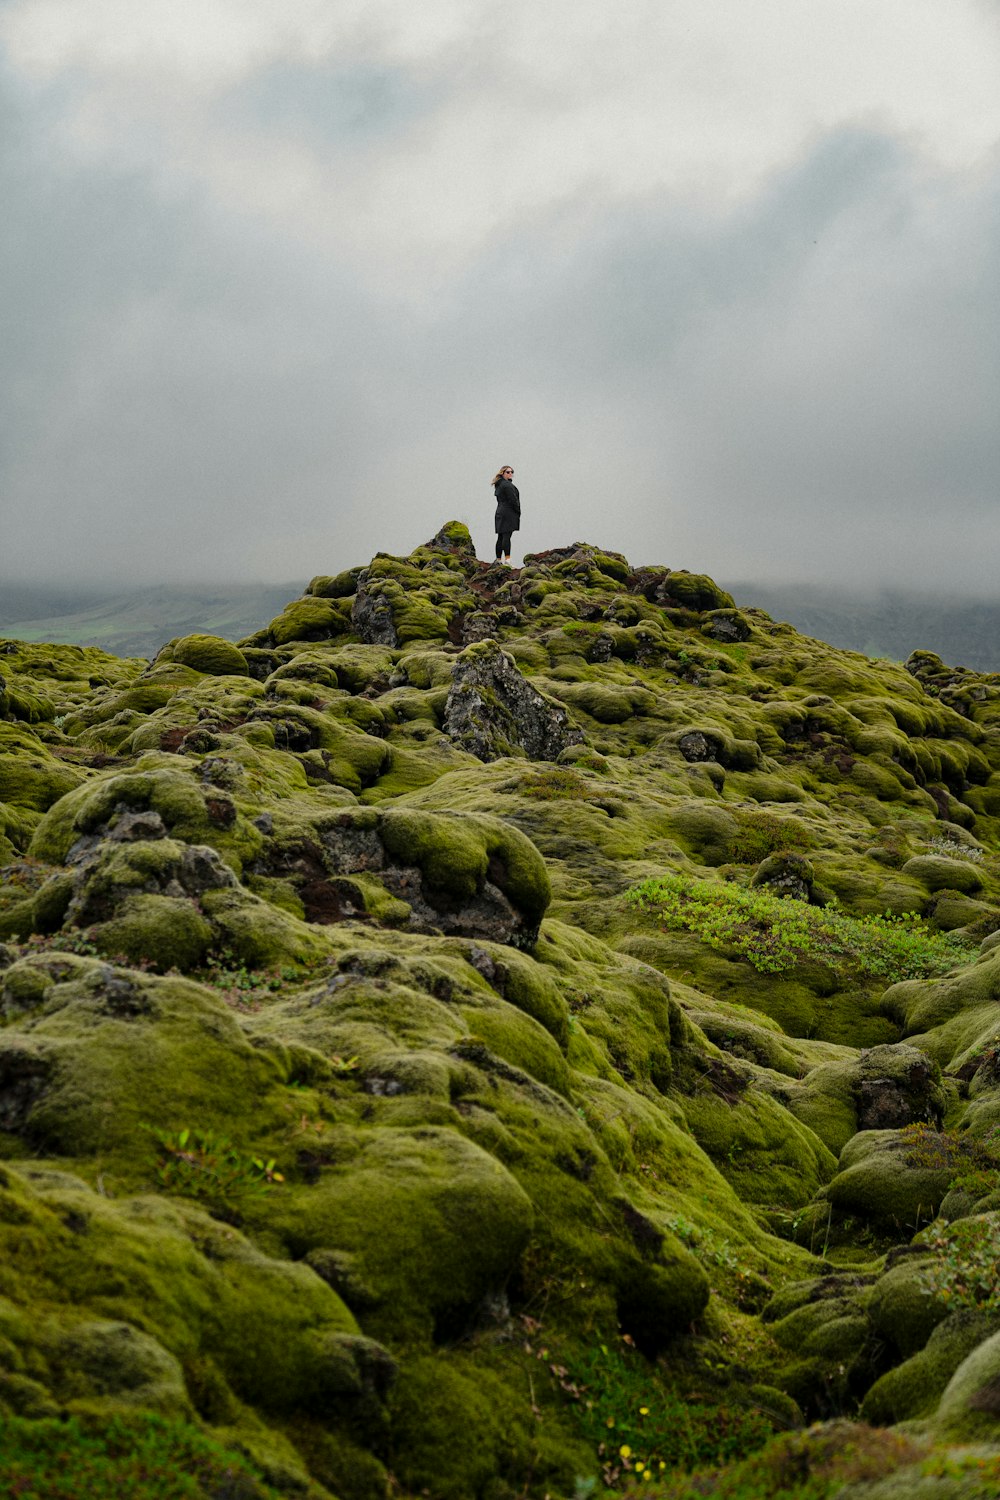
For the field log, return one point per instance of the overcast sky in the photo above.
(283, 282)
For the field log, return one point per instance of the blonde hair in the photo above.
(500, 473)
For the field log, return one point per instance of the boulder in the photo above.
(493, 711)
(786, 874)
(371, 616)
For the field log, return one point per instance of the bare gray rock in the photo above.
(371, 615)
(493, 711)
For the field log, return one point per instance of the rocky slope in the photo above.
(496, 1034)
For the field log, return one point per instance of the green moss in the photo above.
(480, 1146)
(967, 1407)
(768, 1157)
(258, 934)
(441, 1401)
(936, 873)
(310, 619)
(525, 984)
(122, 1455)
(189, 810)
(169, 1284)
(457, 854)
(695, 591)
(164, 931)
(901, 1309)
(920, 1005)
(914, 1388)
(434, 1222)
(877, 1183)
(31, 778)
(521, 1041)
(209, 654)
(606, 703)
(339, 586)
(110, 1051)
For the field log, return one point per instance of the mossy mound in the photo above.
(206, 653)
(356, 1115)
(883, 1180)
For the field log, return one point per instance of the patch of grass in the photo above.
(637, 1427)
(773, 933)
(146, 1456)
(556, 785)
(736, 651)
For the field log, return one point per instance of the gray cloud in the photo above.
(798, 382)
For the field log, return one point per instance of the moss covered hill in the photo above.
(499, 1034)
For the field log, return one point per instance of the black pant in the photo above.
(503, 543)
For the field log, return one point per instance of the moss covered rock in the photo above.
(207, 653)
(883, 1179)
(440, 1128)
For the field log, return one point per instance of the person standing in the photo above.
(508, 516)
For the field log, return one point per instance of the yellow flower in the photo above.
(625, 1451)
(648, 1474)
(639, 1466)
(644, 1411)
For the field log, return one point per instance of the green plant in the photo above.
(242, 988)
(974, 1163)
(200, 1164)
(344, 1066)
(74, 941)
(966, 1269)
(640, 1427)
(147, 1456)
(773, 933)
(952, 849)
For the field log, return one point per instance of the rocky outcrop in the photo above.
(371, 615)
(493, 711)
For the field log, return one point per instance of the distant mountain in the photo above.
(963, 632)
(138, 623)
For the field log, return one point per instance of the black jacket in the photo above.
(508, 517)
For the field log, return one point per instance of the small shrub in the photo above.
(773, 933)
(974, 1163)
(966, 1272)
(242, 988)
(199, 1164)
(952, 849)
